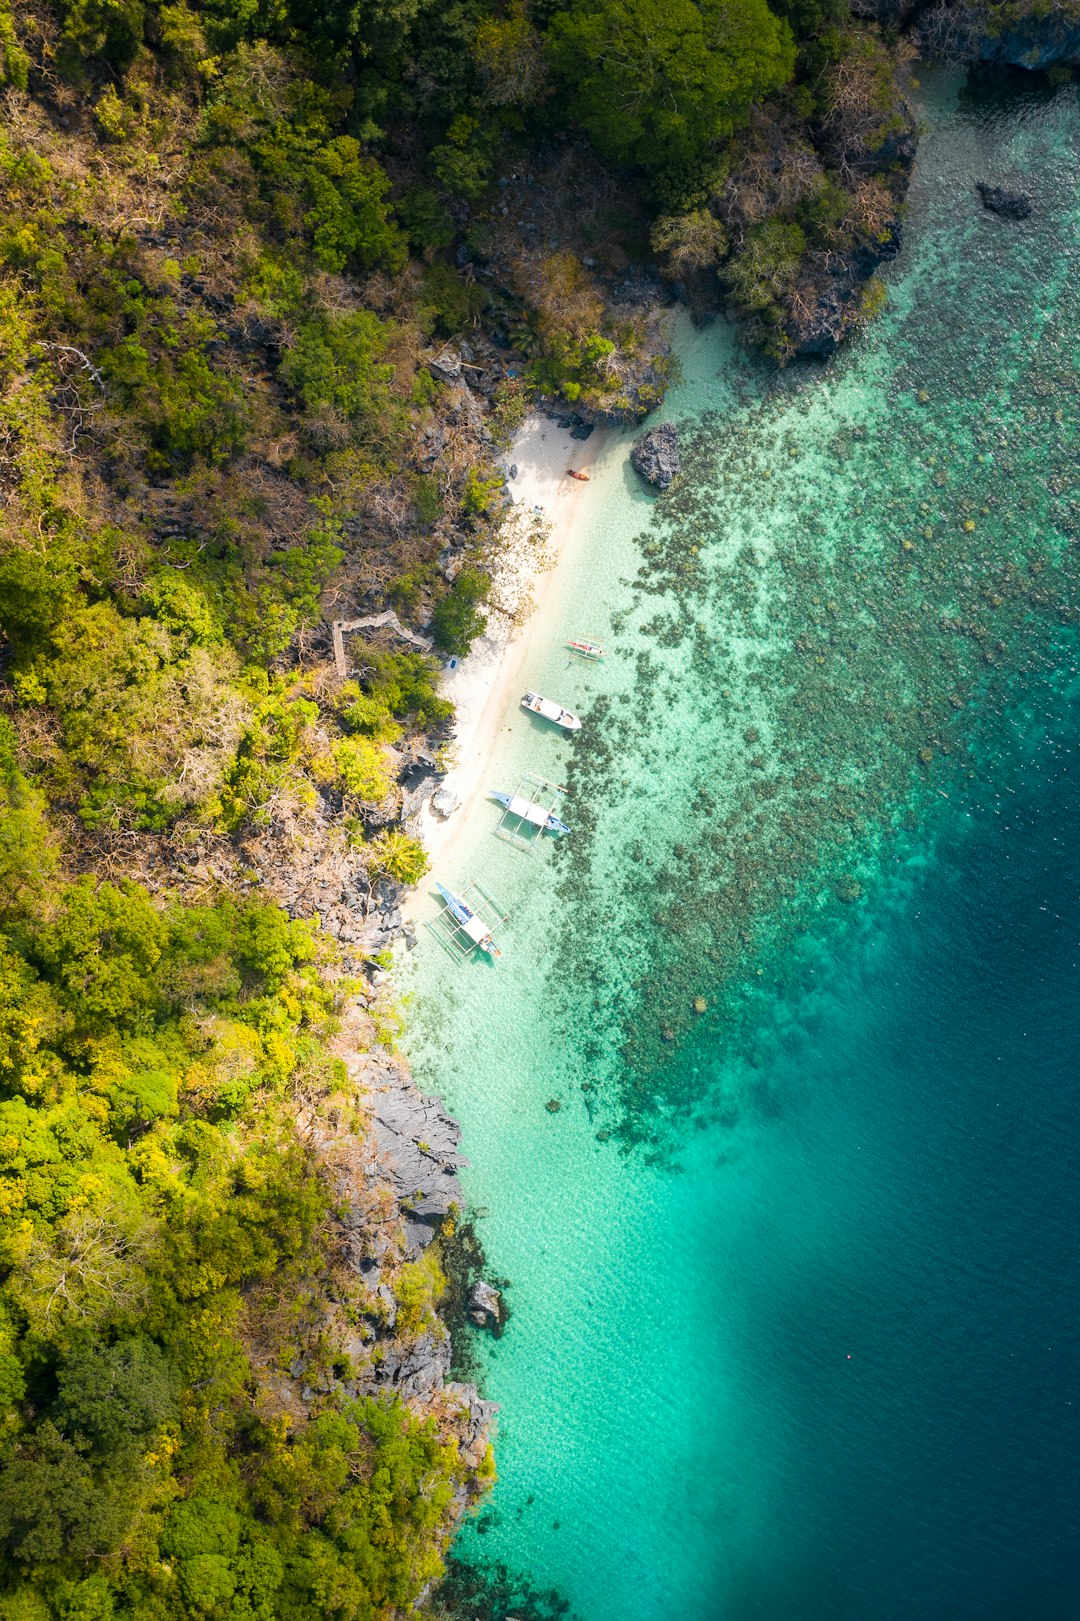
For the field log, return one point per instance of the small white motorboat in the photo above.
(548, 709)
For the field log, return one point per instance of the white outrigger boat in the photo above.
(469, 923)
(548, 709)
(586, 649)
(527, 810)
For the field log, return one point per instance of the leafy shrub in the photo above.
(572, 366)
(14, 62)
(359, 767)
(687, 73)
(463, 161)
(348, 218)
(336, 366)
(479, 493)
(402, 857)
(763, 272)
(458, 619)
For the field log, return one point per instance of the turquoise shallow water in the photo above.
(794, 1282)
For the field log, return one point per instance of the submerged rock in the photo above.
(656, 455)
(1011, 205)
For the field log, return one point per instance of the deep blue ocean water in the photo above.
(934, 1117)
(795, 1282)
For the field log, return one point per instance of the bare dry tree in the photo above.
(89, 1264)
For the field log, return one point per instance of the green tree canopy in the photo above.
(654, 82)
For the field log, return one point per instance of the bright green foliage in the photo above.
(572, 366)
(99, 952)
(479, 493)
(458, 618)
(347, 218)
(151, 1178)
(336, 365)
(359, 767)
(309, 178)
(657, 81)
(27, 855)
(397, 687)
(14, 62)
(268, 755)
(402, 857)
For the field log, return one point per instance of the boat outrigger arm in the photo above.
(527, 810)
(470, 924)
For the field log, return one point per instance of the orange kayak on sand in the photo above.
(572, 472)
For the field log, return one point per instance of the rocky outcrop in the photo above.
(417, 1146)
(656, 455)
(389, 1158)
(1030, 34)
(1012, 205)
(485, 1305)
(831, 298)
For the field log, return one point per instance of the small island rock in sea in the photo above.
(656, 455)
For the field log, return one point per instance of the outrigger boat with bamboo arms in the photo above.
(586, 649)
(548, 709)
(527, 810)
(470, 923)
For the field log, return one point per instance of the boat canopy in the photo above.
(476, 929)
(528, 810)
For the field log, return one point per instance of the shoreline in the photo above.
(480, 685)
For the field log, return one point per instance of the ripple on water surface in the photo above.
(793, 1301)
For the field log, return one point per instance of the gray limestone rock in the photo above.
(417, 1369)
(446, 366)
(485, 1304)
(445, 802)
(656, 455)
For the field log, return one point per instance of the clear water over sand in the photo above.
(794, 1279)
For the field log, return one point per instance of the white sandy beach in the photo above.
(483, 685)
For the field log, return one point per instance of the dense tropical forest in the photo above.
(278, 280)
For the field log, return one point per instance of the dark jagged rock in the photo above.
(656, 455)
(1011, 205)
(832, 302)
(418, 1368)
(1048, 34)
(485, 1304)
